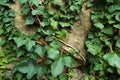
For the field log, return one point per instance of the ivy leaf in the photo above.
(117, 26)
(67, 61)
(65, 24)
(23, 1)
(99, 25)
(30, 70)
(117, 16)
(113, 8)
(29, 44)
(29, 20)
(113, 59)
(57, 67)
(1, 31)
(54, 23)
(94, 46)
(110, 1)
(52, 53)
(55, 44)
(35, 2)
(107, 30)
(118, 42)
(74, 7)
(39, 51)
(40, 71)
(19, 41)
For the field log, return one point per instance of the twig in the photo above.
(83, 59)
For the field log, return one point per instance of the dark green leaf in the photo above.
(29, 20)
(29, 44)
(57, 67)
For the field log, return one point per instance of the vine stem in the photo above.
(83, 59)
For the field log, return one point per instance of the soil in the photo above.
(20, 20)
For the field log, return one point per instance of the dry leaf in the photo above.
(42, 42)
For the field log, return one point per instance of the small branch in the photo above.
(83, 59)
(111, 49)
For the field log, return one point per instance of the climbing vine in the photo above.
(103, 40)
(38, 55)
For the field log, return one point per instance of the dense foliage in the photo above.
(39, 56)
(103, 42)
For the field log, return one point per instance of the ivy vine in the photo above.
(38, 55)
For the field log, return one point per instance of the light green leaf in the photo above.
(113, 8)
(117, 26)
(113, 59)
(57, 67)
(94, 47)
(74, 7)
(52, 53)
(117, 16)
(99, 25)
(1, 31)
(54, 23)
(36, 12)
(65, 24)
(55, 44)
(39, 51)
(67, 61)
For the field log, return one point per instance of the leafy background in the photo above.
(38, 55)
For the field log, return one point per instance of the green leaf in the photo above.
(94, 46)
(57, 67)
(113, 59)
(35, 2)
(117, 16)
(30, 70)
(113, 8)
(23, 1)
(29, 44)
(25, 9)
(65, 24)
(110, 1)
(117, 26)
(55, 44)
(1, 31)
(54, 23)
(52, 53)
(19, 41)
(74, 7)
(99, 25)
(40, 71)
(118, 42)
(67, 61)
(61, 34)
(39, 50)
(36, 12)
(29, 20)
(107, 30)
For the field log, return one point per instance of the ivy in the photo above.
(37, 55)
